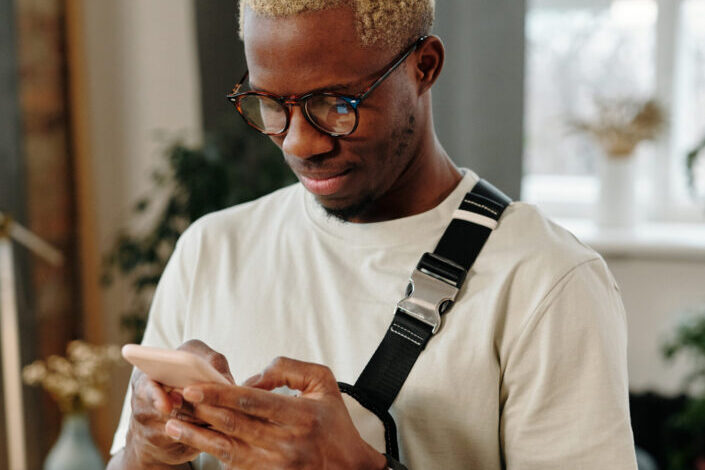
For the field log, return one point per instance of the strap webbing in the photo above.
(406, 337)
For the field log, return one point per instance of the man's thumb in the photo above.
(214, 358)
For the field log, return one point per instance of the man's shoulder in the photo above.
(527, 235)
(533, 262)
(530, 255)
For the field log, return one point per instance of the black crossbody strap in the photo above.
(432, 289)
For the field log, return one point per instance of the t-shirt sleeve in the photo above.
(165, 324)
(565, 389)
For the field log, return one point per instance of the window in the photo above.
(690, 92)
(578, 50)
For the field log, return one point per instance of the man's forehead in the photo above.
(284, 82)
(311, 50)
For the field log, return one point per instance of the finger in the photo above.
(151, 394)
(187, 418)
(307, 377)
(252, 381)
(176, 399)
(217, 360)
(205, 440)
(251, 401)
(254, 431)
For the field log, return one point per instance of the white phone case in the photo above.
(177, 369)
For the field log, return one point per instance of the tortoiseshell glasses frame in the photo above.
(327, 111)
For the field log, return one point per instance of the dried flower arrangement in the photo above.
(79, 381)
(621, 124)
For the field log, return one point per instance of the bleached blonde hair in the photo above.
(395, 23)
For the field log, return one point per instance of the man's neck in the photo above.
(426, 182)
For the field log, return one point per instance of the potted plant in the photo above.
(78, 383)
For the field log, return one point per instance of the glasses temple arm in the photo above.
(391, 69)
(239, 84)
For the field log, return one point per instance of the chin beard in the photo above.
(344, 214)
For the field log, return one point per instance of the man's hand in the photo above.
(148, 445)
(253, 428)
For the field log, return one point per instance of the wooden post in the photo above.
(9, 337)
(89, 271)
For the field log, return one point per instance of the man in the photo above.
(529, 369)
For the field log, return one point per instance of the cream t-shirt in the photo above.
(528, 371)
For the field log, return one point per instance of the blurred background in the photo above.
(115, 135)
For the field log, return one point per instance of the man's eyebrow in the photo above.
(336, 87)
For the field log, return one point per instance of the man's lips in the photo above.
(324, 183)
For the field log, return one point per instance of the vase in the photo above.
(75, 449)
(617, 202)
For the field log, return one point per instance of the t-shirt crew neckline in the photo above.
(387, 233)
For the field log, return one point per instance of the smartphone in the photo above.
(170, 367)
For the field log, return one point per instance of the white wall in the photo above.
(657, 293)
(142, 77)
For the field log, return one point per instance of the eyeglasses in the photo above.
(332, 113)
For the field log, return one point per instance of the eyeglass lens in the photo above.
(330, 113)
(265, 114)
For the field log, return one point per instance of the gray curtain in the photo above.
(479, 100)
(11, 174)
(221, 60)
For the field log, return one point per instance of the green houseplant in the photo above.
(689, 424)
(691, 159)
(231, 166)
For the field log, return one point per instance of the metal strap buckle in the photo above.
(427, 298)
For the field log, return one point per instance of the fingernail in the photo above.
(193, 395)
(173, 429)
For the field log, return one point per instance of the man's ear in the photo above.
(428, 62)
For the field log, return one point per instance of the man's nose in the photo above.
(302, 140)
